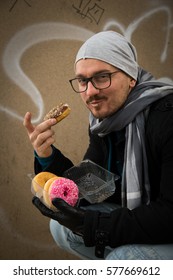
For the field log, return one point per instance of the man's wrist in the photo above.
(45, 161)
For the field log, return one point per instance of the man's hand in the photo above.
(68, 216)
(41, 136)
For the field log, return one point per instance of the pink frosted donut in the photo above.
(65, 189)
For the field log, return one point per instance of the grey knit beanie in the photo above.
(111, 47)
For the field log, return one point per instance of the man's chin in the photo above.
(99, 114)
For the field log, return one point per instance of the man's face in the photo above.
(104, 102)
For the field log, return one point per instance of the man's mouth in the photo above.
(95, 101)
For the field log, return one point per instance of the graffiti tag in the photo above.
(90, 10)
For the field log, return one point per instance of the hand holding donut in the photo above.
(41, 136)
(60, 194)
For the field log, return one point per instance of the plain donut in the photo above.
(40, 179)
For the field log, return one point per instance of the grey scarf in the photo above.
(135, 179)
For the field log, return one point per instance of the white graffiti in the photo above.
(128, 32)
(22, 41)
(41, 32)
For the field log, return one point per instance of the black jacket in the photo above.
(145, 224)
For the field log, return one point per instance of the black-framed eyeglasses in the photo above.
(99, 81)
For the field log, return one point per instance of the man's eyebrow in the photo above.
(94, 74)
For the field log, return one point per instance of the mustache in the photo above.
(95, 98)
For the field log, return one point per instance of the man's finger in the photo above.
(59, 203)
(64, 207)
(27, 122)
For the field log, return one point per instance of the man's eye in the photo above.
(102, 76)
(81, 80)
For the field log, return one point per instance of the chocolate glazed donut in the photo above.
(59, 112)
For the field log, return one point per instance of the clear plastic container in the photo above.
(38, 191)
(94, 182)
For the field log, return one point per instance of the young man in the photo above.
(131, 134)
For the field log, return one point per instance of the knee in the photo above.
(59, 233)
(55, 231)
(53, 227)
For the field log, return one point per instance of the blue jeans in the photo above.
(74, 244)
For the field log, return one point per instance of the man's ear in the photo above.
(132, 83)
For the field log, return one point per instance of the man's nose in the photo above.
(91, 90)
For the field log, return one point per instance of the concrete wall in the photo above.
(39, 40)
